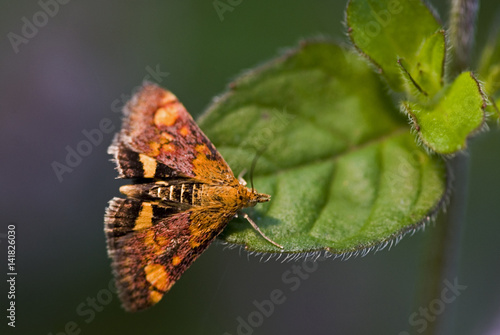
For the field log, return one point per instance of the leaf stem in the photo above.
(462, 32)
(442, 250)
(440, 261)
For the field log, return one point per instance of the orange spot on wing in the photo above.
(155, 148)
(162, 242)
(155, 296)
(157, 276)
(184, 131)
(169, 147)
(202, 149)
(148, 165)
(157, 244)
(143, 221)
(166, 116)
(166, 137)
(176, 260)
(168, 97)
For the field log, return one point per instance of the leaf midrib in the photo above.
(351, 149)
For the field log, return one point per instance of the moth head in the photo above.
(249, 197)
(261, 197)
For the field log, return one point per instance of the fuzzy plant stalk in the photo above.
(442, 249)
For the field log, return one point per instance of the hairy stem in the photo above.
(440, 262)
(462, 32)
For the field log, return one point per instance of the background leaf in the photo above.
(388, 30)
(445, 126)
(342, 168)
(489, 71)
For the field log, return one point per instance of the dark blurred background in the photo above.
(75, 70)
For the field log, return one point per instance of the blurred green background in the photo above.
(66, 79)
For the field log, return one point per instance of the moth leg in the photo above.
(254, 225)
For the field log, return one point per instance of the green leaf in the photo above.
(425, 75)
(342, 168)
(445, 126)
(389, 30)
(489, 72)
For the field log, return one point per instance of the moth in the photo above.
(183, 196)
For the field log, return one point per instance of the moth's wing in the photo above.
(151, 246)
(131, 164)
(160, 139)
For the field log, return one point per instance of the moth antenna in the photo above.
(254, 225)
(254, 163)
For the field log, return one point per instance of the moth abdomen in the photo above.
(182, 193)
